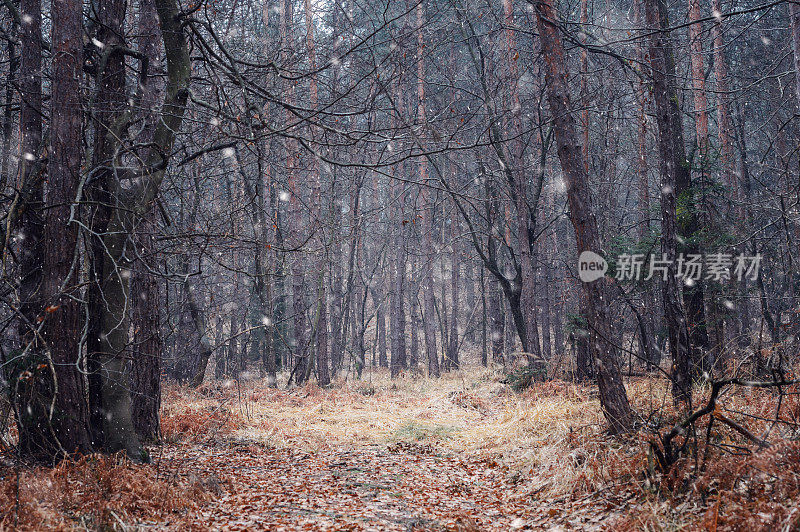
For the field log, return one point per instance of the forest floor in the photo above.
(460, 453)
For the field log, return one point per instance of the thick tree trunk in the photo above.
(147, 362)
(583, 360)
(110, 102)
(515, 321)
(397, 278)
(298, 308)
(380, 317)
(341, 283)
(264, 279)
(397, 314)
(530, 338)
(235, 349)
(359, 310)
(147, 347)
(613, 398)
(133, 203)
(351, 315)
(62, 327)
(220, 353)
(32, 397)
(547, 341)
(794, 16)
(745, 214)
(31, 252)
(727, 174)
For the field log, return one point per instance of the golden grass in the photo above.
(552, 434)
(550, 439)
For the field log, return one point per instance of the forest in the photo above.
(450, 265)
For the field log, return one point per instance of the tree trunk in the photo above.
(452, 348)
(146, 365)
(110, 102)
(701, 329)
(613, 398)
(674, 170)
(380, 318)
(428, 290)
(746, 215)
(484, 323)
(321, 329)
(497, 321)
(11, 81)
(416, 324)
(794, 15)
(62, 326)
(397, 268)
(470, 327)
(530, 340)
(236, 348)
(651, 355)
(32, 397)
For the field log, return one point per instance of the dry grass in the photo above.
(549, 438)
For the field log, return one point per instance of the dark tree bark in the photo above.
(547, 346)
(341, 289)
(235, 348)
(529, 340)
(674, 175)
(109, 103)
(130, 207)
(701, 330)
(397, 315)
(147, 345)
(220, 356)
(11, 81)
(146, 318)
(613, 399)
(380, 317)
(416, 325)
(397, 278)
(745, 213)
(31, 252)
(650, 353)
(31, 396)
(62, 327)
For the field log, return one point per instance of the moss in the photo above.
(416, 431)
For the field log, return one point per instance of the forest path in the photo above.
(400, 486)
(414, 454)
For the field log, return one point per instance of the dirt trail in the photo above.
(419, 456)
(401, 486)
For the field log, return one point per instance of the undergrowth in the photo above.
(549, 437)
